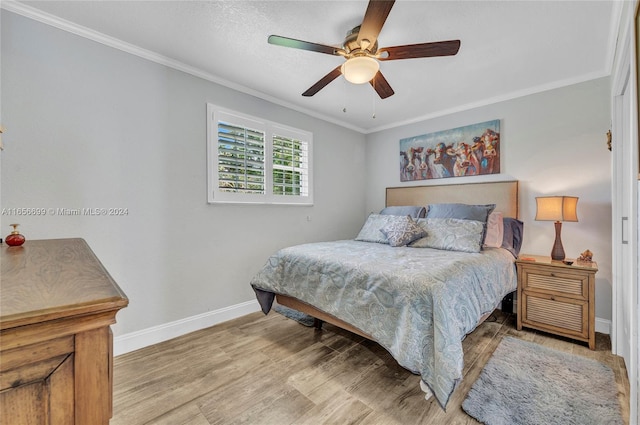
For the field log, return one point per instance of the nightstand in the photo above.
(557, 298)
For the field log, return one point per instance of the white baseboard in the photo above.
(603, 326)
(135, 340)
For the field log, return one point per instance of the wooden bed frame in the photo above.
(503, 194)
(319, 316)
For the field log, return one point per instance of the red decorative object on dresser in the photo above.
(15, 238)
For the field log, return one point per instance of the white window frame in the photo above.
(215, 114)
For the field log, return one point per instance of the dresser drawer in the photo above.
(550, 280)
(563, 316)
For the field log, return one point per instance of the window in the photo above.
(251, 160)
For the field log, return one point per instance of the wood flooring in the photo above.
(271, 370)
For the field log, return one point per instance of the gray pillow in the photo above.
(462, 211)
(371, 230)
(402, 232)
(451, 234)
(411, 211)
(512, 236)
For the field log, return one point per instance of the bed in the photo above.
(417, 299)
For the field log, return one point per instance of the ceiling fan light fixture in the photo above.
(360, 69)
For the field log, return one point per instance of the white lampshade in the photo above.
(360, 70)
(556, 208)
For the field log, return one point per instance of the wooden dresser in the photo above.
(557, 298)
(57, 303)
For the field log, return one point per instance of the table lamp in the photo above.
(558, 209)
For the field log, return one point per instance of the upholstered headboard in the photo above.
(503, 194)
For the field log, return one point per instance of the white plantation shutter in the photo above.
(256, 161)
(241, 166)
(290, 166)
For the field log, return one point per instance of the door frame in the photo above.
(624, 119)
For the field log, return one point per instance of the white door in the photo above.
(624, 227)
(620, 214)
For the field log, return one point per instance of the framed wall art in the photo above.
(464, 151)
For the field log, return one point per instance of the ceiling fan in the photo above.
(360, 49)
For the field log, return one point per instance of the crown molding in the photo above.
(497, 99)
(90, 34)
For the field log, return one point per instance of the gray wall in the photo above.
(89, 126)
(553, 143)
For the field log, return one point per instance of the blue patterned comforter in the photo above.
(419, 303)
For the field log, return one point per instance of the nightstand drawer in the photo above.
(550, 280)
(562, 316)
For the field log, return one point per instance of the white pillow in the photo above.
(495, 230)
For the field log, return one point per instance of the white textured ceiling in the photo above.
(508, 48)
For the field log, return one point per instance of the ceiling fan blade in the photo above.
(421, 50)
(304, 45)
(374, 17)
(381, 86)
(323, 82)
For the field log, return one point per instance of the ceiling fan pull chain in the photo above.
(344, 95)
(373, 101)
